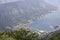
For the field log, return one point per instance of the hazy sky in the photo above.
(6, 1)
(54, 2)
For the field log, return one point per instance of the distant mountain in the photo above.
(22, 13)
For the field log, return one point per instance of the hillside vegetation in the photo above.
(56, 37)
(22, 34)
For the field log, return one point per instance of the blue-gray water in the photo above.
(51, 20)
(26, 12)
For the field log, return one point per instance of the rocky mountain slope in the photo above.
(53, 35)
(22, 13)
(56, 37)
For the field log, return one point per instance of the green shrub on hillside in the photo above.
(22, 34)
(56, 37)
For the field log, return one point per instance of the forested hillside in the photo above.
(56, 37)
(24, 34)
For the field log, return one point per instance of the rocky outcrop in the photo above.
(51, 34)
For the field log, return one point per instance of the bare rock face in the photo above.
(22, 12)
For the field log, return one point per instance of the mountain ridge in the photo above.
(22, 13)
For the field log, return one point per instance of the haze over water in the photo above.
(51, 19)
(33, 10)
